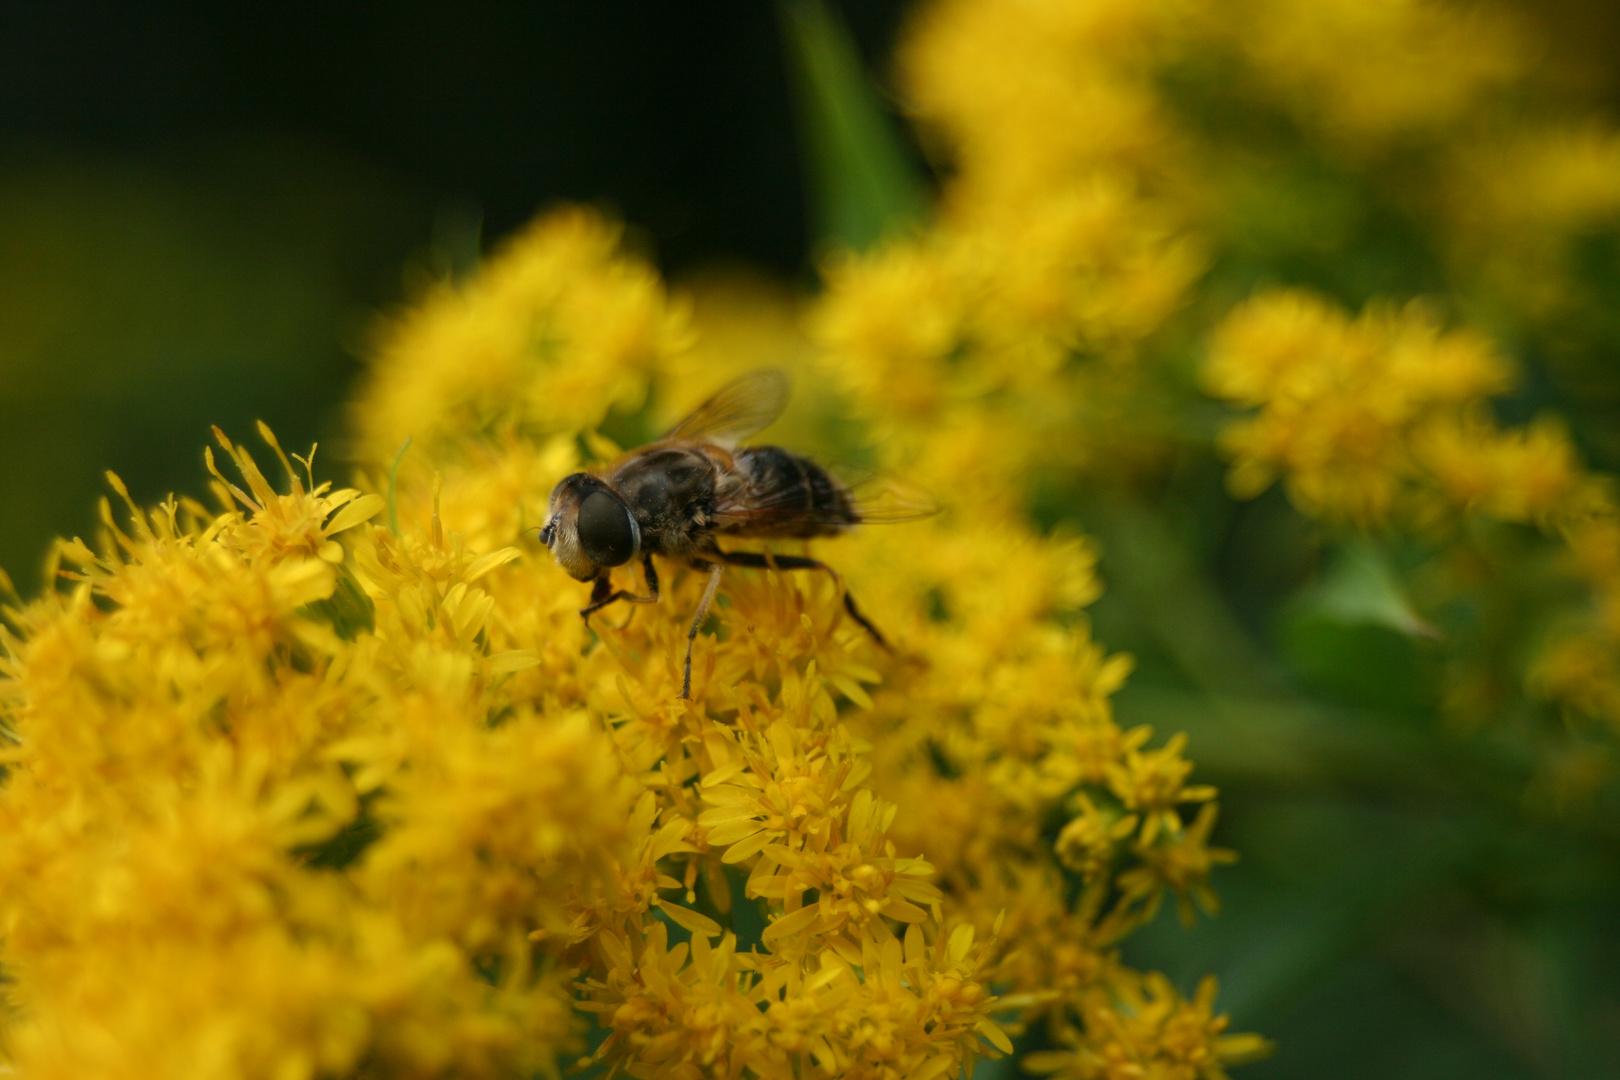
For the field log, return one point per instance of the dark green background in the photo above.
(202, 205)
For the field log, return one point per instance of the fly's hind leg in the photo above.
(602, 593)
(697, 620)
(800, 562)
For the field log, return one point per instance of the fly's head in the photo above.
(589, 528)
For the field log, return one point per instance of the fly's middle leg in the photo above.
(800, 562)
(697, 620)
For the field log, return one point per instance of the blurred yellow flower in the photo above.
(1153, 1032)
(1384, 422)
(1340, 401)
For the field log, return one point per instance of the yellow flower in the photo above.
(1530, 476)
(177, 816)
(1180, 862)
(1339, 401)
(1385, 422)
(1087, 843)
(1153, 1033)
(1373, 74)
(1518, 202)
(901, 1009)
(388, 773)
(465, 360)
(376, 767)
(1152, 783)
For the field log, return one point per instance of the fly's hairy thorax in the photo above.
(671, 490)
(684, 493)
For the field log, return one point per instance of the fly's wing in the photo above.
(889, 500)
(741, 408)
(867, 498)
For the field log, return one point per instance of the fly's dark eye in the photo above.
(607, 533)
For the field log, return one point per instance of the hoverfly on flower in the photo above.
(675, 497)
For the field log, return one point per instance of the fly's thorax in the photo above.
(669, 490)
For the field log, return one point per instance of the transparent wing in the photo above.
(874, 499)
(887, 500)
(741, 408)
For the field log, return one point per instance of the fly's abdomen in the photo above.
(789, 495)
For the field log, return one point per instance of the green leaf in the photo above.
(1354, 637)
(393, 476)
(1360, 588)
(349, 611)
(861, 180)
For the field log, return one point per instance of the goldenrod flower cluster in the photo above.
(1384, 422)
(1089, 191)
(337, 782)
(1384, 416)
(1112, 165)
(206, 723)
(1143, 138)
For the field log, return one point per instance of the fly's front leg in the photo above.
(800, 562)
(697, 620)
(602, 593)
(652, 588)
(601, 590)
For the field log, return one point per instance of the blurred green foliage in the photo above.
(142, 300)
(863, 184)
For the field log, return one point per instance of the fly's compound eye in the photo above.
(608, 534)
